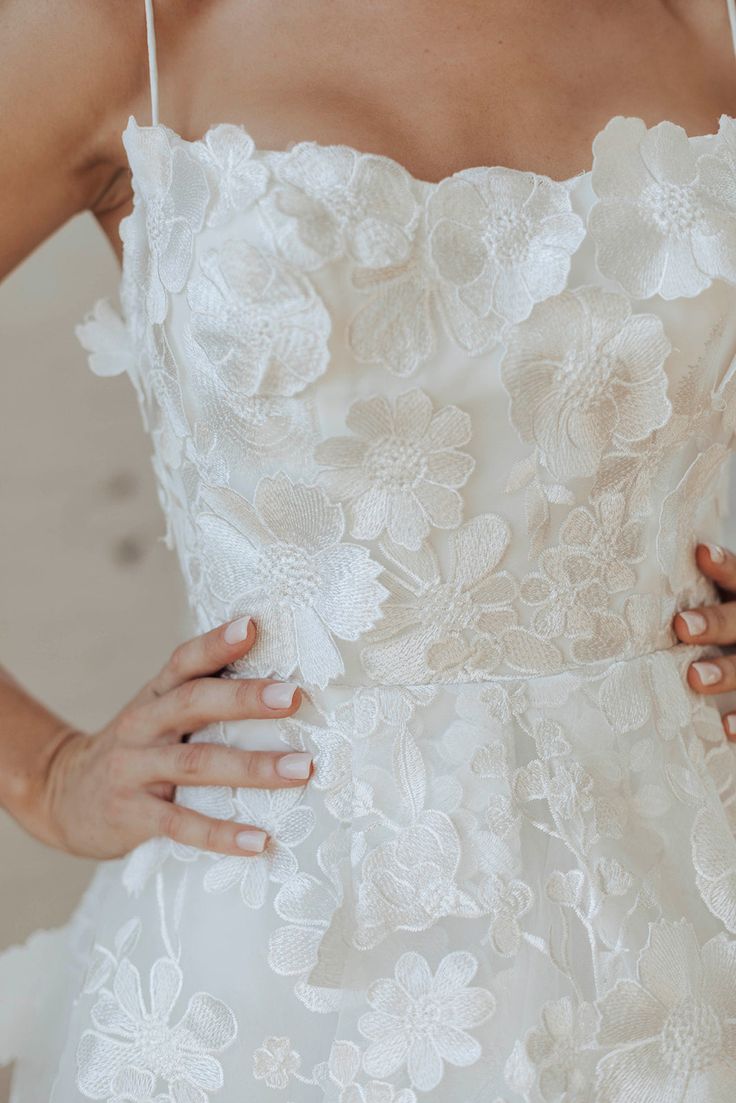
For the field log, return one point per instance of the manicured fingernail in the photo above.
(237, 630)
(251, 839)
(696, 622)
(730, 720)
(716, 552)
(295, 765)
(709, 673)
(278, 695)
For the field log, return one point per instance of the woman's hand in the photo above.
(101, 795)
(714, 624)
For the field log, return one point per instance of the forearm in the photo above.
(30, 735)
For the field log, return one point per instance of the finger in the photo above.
(717, 563)
(707, 624)
(184, 825)
(206, 701)
(213, 764)
(205, 654)
(717, 675)
(729, 725)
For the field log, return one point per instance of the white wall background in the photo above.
(90, 599)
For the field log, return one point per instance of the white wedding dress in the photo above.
(452, 444)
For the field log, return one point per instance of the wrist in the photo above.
(26, 789)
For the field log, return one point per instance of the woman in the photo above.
(442, 452)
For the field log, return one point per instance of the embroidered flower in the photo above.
(236, 179)
(332, 749)
(492, 243)
(259, 323)
(400, 472)
(506, 901)
(608, 539)
(672, 1033)
(106, 338)
(173, 191)
(421, 1020)
(714, 859)
(504, 239)
(560, 1050)
(331, 200)
(565, 593)
(411, 882)
(658, 227)
(282, 560)
(275, 1062)
(133, 1040)
(582, 371)
(288, 823)
(429, 621)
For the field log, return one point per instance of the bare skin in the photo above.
(436, 86)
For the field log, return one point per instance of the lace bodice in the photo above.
(426, 432)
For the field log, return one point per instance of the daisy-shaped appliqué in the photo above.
(665, 222)
(134, 1044)
(421, 1020)
(401, 470)
(282, 559)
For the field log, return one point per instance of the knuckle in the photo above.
(244, 696)
(192, 759)
(717, 618)
(170, 821)
(178, 660)
(256, 767)
(213, 836)
(190, 696)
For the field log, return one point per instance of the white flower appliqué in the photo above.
(672, 1034)
(331, 200)
(259, 322)
(132, 1042)
(401, 470)
(583, 370)
(422, 1020)
(504, 239)
(659, 229)
(174, 193)
(237, 180)
(282, 560)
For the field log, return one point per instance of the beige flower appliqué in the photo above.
(401, 469)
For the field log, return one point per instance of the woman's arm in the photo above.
(69, 73)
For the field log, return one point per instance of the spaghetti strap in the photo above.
(731, 4)
(152, 68)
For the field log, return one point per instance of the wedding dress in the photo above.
(452, 445)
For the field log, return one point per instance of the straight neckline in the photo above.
(428, 185)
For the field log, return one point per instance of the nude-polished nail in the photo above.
(730, 720)
(716, 552)
(696, 622)
(237, 630)
(709, 673)
(295, 765)
(278, 695)
(251, 839)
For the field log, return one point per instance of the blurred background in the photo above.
(90, 598)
